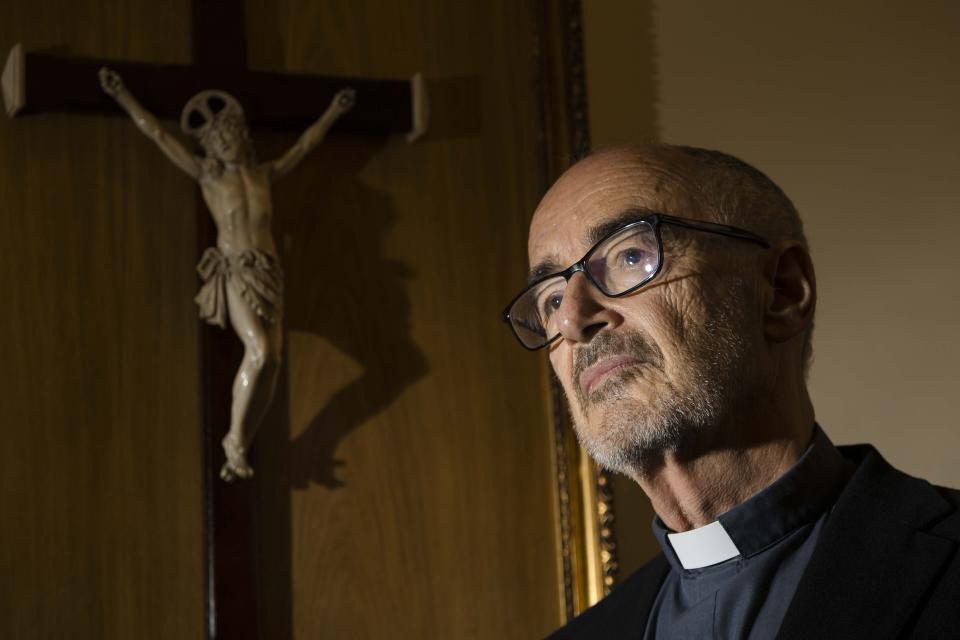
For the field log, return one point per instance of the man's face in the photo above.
(648, 373)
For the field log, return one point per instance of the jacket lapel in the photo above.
(654, 574)
(873, 562)
(626, 617)
(623, 614)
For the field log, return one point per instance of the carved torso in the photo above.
(238, 198)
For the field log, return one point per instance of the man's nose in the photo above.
(584, 311)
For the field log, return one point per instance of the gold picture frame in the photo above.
(584, 520)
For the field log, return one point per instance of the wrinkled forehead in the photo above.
(604, 187)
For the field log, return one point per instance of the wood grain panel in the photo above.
(404, 477)
(100, 466)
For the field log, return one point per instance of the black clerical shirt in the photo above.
(734, 578)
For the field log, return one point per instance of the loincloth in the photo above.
(256, 275)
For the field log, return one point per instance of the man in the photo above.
(674, 290)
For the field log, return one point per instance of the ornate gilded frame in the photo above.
(583, 493)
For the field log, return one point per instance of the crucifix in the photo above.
(34, 83)
(242, 277)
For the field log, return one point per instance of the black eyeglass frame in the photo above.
(654, 220)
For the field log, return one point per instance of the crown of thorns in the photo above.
(211, 109)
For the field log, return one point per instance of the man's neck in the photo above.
(690, 490)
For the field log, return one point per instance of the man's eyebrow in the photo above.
(601, 230)
(595, 234)
(544, 267)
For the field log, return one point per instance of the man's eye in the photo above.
(551, 303)
(632, 257)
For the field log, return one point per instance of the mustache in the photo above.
(608, 343)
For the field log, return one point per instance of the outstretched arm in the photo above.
(341, 103)
(112, 85)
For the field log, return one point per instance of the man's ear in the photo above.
(794, 299)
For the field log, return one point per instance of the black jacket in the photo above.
(886, 566)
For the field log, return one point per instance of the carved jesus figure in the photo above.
(243, 281)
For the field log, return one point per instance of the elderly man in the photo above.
(674, 291)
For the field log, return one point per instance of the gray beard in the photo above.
(634, 436)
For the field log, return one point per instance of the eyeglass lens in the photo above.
(621, 262)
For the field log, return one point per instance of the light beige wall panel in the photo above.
(621, 68)
(851, 106)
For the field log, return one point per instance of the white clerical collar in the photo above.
(702, 547)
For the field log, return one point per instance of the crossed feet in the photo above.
(236, 465)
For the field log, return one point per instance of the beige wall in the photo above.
(852, 107)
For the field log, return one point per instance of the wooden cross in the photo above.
(43, 83)
(40, 83)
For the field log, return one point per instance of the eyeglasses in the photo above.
(618, 264)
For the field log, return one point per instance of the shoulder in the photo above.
(927, 519)
(624, 612)
(949, 526)
(876, 484)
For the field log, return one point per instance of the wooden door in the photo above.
(404, 478)
(100, 465)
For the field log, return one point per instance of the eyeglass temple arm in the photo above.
(715, 227)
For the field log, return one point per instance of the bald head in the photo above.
(720, 187)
